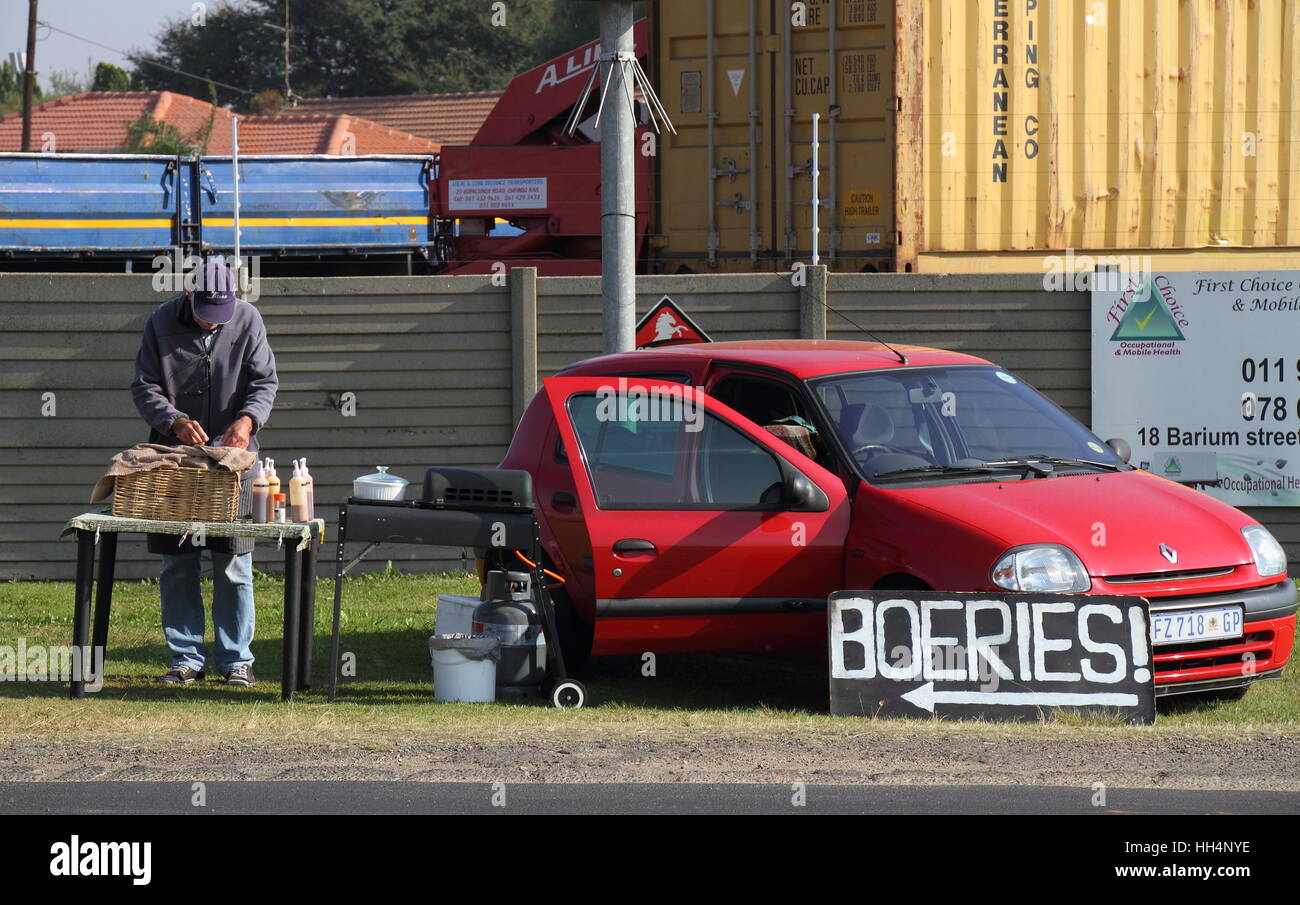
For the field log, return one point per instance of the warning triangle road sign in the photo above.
(1147, 318)
(665, 325)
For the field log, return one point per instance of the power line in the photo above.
(123, 53)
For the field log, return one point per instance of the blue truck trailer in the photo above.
(130, 206)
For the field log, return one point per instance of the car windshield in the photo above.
(967, 421)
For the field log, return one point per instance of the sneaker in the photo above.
(181, 675)
(241, 675)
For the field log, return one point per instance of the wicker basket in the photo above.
(178, 495)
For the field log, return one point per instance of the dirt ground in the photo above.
(1257, 761)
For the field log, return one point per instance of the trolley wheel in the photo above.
(567, 694)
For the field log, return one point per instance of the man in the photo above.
(205, 374)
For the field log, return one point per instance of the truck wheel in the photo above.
(567, 694)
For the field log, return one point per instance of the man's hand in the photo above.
(239, 433)
(189, 432)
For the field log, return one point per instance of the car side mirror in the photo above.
(798, 493)
(1121, 448)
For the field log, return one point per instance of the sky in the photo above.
(122, 24)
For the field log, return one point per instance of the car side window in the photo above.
(687, 463)
(776, 408)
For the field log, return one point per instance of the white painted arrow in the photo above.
(926, 697)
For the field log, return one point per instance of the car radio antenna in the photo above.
(901, 357)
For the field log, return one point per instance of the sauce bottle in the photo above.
(309, 488)
(273, 488)
(260, 489)
(281, 515)
(298, 495)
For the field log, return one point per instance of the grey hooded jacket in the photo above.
(176, 376)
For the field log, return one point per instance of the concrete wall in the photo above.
(440, 368)
(428, 361)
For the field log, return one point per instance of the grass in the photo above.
(386, 622)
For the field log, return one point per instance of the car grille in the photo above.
(1220, 657)
(1183, 575)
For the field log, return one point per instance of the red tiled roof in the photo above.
(325, 133)
(449, 119)
(97, 121)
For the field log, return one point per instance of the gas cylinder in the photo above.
(510, 614)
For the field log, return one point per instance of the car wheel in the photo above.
(576, 634)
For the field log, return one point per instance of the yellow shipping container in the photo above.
(1137, 126)
(978, 135)
(741, 80)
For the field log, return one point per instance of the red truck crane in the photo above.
(523, 169)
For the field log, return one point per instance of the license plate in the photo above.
(1181, 626)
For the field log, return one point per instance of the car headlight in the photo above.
(1270, 558)
(1041, 568)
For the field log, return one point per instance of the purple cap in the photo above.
(214, 301)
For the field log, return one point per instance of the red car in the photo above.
(709, 497)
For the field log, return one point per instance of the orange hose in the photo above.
(533, 565)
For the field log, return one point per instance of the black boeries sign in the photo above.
(989, 656)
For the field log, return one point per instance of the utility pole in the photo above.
(29, 79)
(288, 92)
(617, 178)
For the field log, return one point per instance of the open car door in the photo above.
(707, 532)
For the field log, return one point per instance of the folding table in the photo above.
(299, 539)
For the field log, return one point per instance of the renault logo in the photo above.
(1169, 553)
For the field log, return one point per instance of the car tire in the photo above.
(576, 634)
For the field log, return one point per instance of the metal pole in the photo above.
(754, 114)
(831, 117)
(234, 167)
(787, 81)
(712, 116)
(617, 181)
(29, 78)
(288, 92)
(816, 204)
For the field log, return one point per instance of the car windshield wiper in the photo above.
(1052, 460)
(937, 470)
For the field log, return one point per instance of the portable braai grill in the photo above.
(489, 509)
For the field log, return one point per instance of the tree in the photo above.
(110, 78)
(152, 136)
(343, 48)
(11, 89)
(266, 103)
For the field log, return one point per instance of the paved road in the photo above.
(614, 798)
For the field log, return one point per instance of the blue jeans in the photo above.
(233, 617)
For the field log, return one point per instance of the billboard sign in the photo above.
(1200, 373)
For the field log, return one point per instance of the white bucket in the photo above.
(455, 613)
(464, 667)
